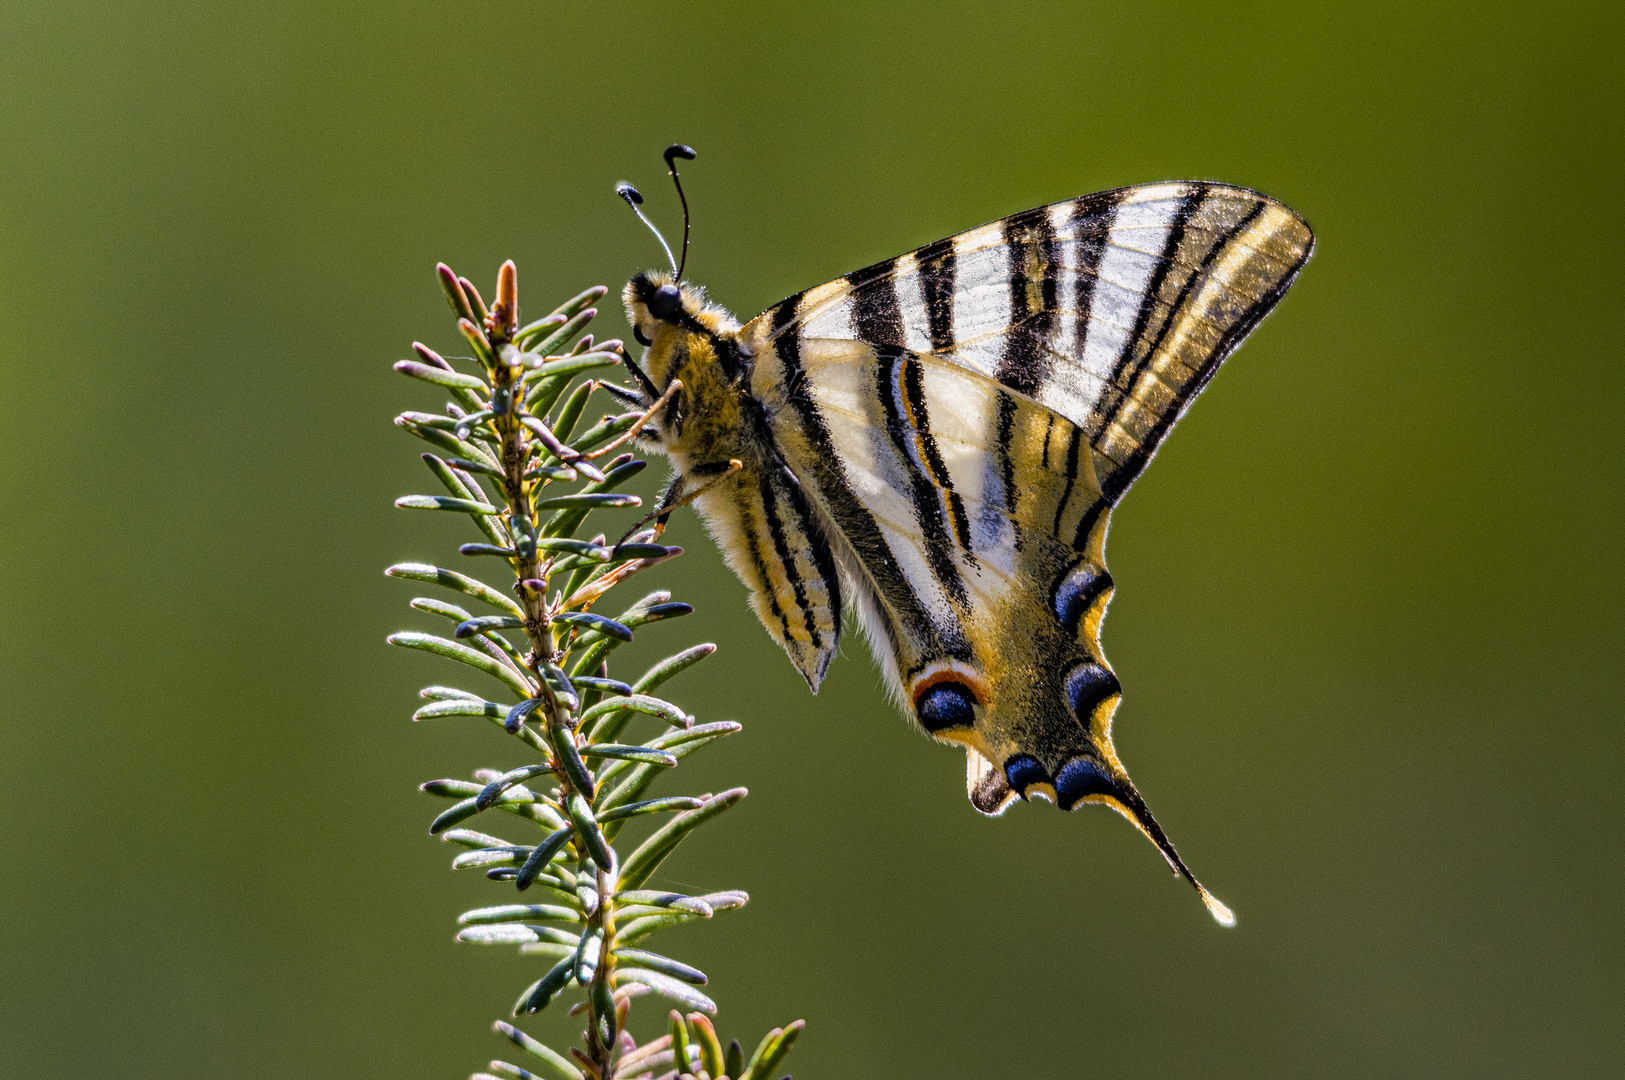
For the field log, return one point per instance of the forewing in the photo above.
(1112, 310)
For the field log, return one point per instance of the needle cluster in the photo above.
(508, 453)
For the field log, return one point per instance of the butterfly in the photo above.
(937, 442)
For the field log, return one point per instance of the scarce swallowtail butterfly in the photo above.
(936, 442)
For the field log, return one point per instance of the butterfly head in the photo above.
(655, 304)
(687, 336)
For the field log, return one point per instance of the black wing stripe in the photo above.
(930, 517)
(1190, 283)
(1023, 366)
(1049, 251)
(1131, 468)
(1086, 523)
(1073, 441)
(1129, 364)
(759, 563)
(783, 314)
(877, 315)
(1091, 253)
(854, 521)
(787, 559)
(912, 386)
(1004, 434)
(822, 557)
(937, 264)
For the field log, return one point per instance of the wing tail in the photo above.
(1126, 800)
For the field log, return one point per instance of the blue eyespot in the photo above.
(665, 302)
(1087, 686)
(1080, 778)
(1023, 770)
(946, 705)
(1076, 592)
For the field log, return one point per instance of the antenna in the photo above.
(674, 151)
(633, 198)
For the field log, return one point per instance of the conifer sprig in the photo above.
(507, 451)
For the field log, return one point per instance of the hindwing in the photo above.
(970, 531)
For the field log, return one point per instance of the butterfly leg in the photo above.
(678, 496)
(639, 376)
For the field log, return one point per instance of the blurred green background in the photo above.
(1369, 608)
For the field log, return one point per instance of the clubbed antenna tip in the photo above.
(673, 152)
(634, 199)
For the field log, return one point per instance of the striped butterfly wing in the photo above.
(962, 419)
(1112, 310)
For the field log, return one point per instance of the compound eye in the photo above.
(665, 302)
